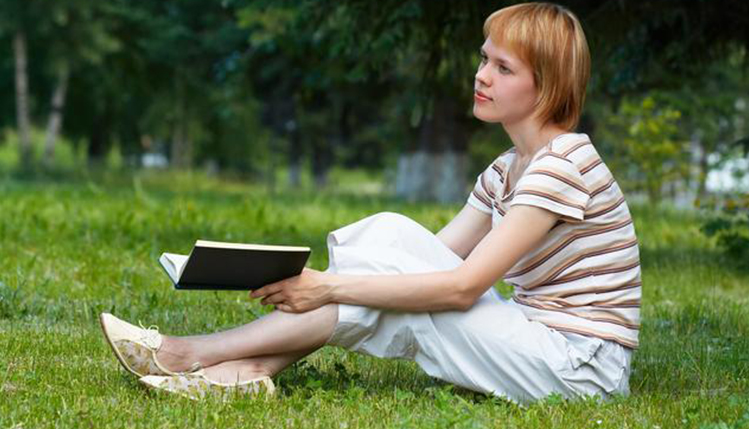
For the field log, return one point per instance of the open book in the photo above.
(215, 265)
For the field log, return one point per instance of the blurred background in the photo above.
(133, 127)
(317, 93)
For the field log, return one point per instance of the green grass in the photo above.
(70, 250)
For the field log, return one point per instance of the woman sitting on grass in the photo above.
(546, 215)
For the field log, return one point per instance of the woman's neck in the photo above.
(528, 137)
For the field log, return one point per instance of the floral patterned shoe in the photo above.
(136, 347)
(197, 386)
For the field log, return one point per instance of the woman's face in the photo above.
(504, 88)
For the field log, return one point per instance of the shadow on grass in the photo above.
(400, 379)
(680, 258)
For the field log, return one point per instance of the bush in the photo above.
(647, 132)
(67, 157)
(729, 224)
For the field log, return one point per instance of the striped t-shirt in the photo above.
(585, 275)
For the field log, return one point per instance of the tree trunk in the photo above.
(295, 159)
(270, 171)
(22, 99)
(181, 150)
(450, 185)
(323, 139)
(177, 149)
(181, 147)
(321, 161)
(415, 168)
(55, 117)
(436, 171)
(98, 139)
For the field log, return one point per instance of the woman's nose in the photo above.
(482, 76)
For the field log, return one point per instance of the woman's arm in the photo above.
(458, 289)
(465, 230)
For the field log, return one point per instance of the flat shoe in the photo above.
(196, 386)
(136, 347)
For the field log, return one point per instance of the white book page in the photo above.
(173, 264)
(245, 246)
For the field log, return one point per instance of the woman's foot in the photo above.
(137, 347)
(237, 371)
(176, 354)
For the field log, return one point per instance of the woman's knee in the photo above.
(395, 219)
(327, 312)
(400, 228)
(330, 314)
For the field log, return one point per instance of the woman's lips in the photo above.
(478, 96)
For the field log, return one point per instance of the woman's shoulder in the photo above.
(568, 143)
(572, 161)
(575, 149)
(571, 146)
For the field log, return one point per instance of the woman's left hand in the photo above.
(305, 292)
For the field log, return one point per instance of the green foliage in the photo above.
(648, 133)
(68, 156)
(714, 114)
(730, 226)
(246, 85)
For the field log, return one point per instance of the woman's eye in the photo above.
(504, 69)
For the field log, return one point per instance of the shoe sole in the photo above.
(117, 352)
(163, 391)
(225, 396)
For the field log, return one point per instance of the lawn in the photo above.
(71, 249)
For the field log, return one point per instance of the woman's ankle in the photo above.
(176, 354)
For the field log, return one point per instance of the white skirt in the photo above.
(490, 348)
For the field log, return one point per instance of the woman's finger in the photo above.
(285, 308)
(273, 299)
(266, 290)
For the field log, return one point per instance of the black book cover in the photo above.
(231, 266)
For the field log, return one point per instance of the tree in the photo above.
(76, 36)
(14, 16)
(651, 140)
(22, 97)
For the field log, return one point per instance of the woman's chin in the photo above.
(482, 116)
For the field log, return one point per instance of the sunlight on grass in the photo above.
(72, 249)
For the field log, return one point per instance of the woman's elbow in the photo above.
(464, 303)
(467, 289)
(466, 297)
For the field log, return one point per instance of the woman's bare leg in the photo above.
(233, 371)
(277, 333)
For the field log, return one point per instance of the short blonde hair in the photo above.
(550, 39)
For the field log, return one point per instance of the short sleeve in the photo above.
(482, 195)
(554, 183)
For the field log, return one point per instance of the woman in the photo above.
(546, 215)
